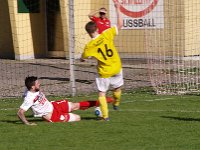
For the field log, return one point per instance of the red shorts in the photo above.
(60, 111)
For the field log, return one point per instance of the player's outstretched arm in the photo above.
(119, 16)
(22, 117)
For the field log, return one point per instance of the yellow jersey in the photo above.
(103, 49)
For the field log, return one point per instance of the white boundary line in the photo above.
(159, 99)
(140, 110)
(134, 110)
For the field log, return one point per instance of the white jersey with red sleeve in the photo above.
(38, 102)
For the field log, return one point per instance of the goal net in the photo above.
(45, 38)
(158, 45)
(173, 51)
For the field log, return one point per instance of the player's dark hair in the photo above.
(91, 27)
(30, 81)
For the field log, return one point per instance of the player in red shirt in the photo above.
(102, 21)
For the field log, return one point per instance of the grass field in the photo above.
(144, 122)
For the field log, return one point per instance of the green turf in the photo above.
(144, 122)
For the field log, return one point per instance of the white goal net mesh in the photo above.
(173, 51)
(45, 38)
(159, 45)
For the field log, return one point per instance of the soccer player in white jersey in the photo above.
(55, 111)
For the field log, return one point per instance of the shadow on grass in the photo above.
(57, 79)
(27, 116)
(88, 118)
(181, 118)
(40, 120)
(19, 122)
(67, 79)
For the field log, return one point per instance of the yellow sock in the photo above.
(103, 106)
(117, 97)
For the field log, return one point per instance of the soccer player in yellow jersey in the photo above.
(102, 48)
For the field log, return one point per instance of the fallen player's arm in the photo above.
(22, 117)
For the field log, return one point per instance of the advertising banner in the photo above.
(139, 14)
